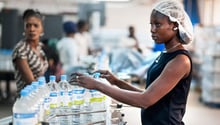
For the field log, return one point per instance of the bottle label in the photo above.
(24, 118)
(53, 100)
(65, 98)
(96, 96)
(70, 98)
(47, 105)
(78, 96)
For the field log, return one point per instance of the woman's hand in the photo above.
(84, 80)
(109, 76)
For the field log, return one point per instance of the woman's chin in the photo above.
(33, 39)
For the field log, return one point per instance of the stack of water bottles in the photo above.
(59, 104)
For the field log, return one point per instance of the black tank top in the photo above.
(170, 109)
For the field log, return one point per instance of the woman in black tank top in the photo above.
(163, 102)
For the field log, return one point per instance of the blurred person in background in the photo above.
(67, 47)
(84, 38)
(55, 67)
(127, 56)
(28, 58)
(163, 102)
(131, 40)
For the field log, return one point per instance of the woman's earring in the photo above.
(175, 28)
(42, 34)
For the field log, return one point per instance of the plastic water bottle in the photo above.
(39, 100)
(44, 92)
(65, 100)
(54, 99)
(31, 95)
(97, 105)
(54, 95)
(21, 114)
(65, 94)
(44, 88)
(106, 102)
(77, 103)
(87, 117)
(87, 107)
(97, 102)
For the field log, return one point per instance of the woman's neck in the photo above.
(173, 46)
(33, 43)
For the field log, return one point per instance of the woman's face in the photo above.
(33, 28)
(161, 28)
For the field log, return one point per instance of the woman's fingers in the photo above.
(102, 71)
(75, 78)
(105, 76)
(76, 74)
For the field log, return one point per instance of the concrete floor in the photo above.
(196, 114)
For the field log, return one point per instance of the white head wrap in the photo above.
(176, 13)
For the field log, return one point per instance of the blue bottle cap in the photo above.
(41, 82)
(24, 92)
(96, 75)
(52, 78)
(63, 77)
(42, 78)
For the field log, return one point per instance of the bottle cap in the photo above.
(41, 82)
(96, 75)
(52, 78)
(42, 78)
(24, 92)
(63, 77)
(34, 85)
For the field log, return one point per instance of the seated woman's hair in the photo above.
(30, 13)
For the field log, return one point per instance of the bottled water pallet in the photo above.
(113, 121)
(211, 95)
(210, 104)
(51, 117)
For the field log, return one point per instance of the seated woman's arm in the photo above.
(25, 70)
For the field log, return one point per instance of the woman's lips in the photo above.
(32, 35)
(154, 37)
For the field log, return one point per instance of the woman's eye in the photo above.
(157, 25)
(28, 25)
(35, 25)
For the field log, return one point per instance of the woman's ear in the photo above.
(175, 26)
(42, 32)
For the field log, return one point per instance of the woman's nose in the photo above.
(32, 28)
(153, 28)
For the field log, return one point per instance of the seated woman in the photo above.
(28, 58)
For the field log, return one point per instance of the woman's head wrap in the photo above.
(176, 13)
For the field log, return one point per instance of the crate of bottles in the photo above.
(211, 63)
(60, 103)
(210, 92)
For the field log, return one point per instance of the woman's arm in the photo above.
(118, 82)
(174, 71)
(25, 70)
(127, 86)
